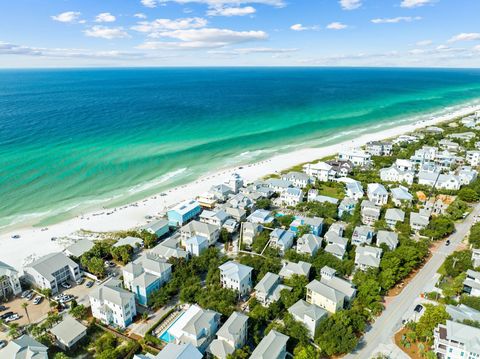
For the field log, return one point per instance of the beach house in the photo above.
(196, 245)
(322, 171)
(232, 335)
(78, 248)
(215, 217)
(249, 231)
(113, 305)
(299, 179)
(158, 228)
(183, 212)
(370, 212)
(394, 174)
(234, 182)
(315, 224)
(393, 216)
(260, 216)
(174, 351)
(401, 196)
(196, 326)
(169, 249)
(291, 196)
(24, 347)
(367, 257)
(146, 275)
(378, 148)
(281, 239)
(329, 278)
(388, 238)
(346, 206)
(471, 284)
(51, 270)
(357, 157)
(268, 289)
(324, 296)
(309, 244)
(418, 221)
(473, 158)
(291, 268)
(197, 228)
(68, 332)
(134, 242)
(377, 194)
(9, 281)
(236, 276)
(272, 346)
(454, 340)
(308, 314)
(354, 190)
(362, 235)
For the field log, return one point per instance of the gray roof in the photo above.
(387, 237)
(303, 309)
(133, 242)
(368, 256)
(469, 336)
(401, 193)
(292, 176)
(220, 349)
(271, 346)
(24, 347)
(342, 285)
(68, 329)
(233, 326)
(112, 292)
(326, 291)
(155, 226)
(308, 243)
(291, 268)
(179, 351)
(417, 218)
(50, 263)
(462, 312)
(80, 247)
(395, 214)
(377, 188)
(7, 270)
(200, 321)
(333, 237)
(197, 226)
(267, 283)
(335, 249)
(235, 270)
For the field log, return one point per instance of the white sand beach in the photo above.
(35, 242)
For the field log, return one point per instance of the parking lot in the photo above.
(35, 312)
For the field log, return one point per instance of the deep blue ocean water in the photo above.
(73, 140)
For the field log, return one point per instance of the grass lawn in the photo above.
(331, 190)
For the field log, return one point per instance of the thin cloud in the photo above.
(105, 17)
(415, 3)
(424, 43)
(105, 32)
(159, 25)
(231, 11)
(300, 27)
(140, 15)
(350, 4)
(67, 17)
(336, 26)
(465, 36)
(395, 20)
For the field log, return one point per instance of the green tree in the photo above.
(474, 238)
(457, 209)
(458, 262)
(470, 301)
(468, 195)
(61, 355)
(433, 315)
(305, 352)
(263, 203)
(122, 254)
(14, 330)
(25, 306)
(78, 312)
(439, 227)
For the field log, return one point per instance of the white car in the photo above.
(66, 285)
(37, 300)
(12, 318)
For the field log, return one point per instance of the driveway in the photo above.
(390, 321)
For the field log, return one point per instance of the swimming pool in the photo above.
(166, 336)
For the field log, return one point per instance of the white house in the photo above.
(377, 148)
(268, 289)
(324, 296)
(450, 182)
(377, 194)
(113, 305)
(169, 249)
(362, 235)
(367, 257)
(299, 179)
(260, 216)
(291, 268)
(466, 175)
(78, 248)
(428, 178)
(354, 190)
(272, 346)
(418, 221)
(404, 165)
(278, 185)
(236, 276)
(393, 216)
(235, 182)
(473, 158)
(196, 228)
(357, 157)
(215, 217)
(329, 278)
(9, 281)
(68, 332)
(196, 245)
(308, 314)
(370, 212)
(174, 351)
(196, 326)
(49, 271)
(281, 239)
(249, 231)
(456, 341)
(291, 196)
(388, 238)
(394, 174)
(309, 244)
(471, 284)
(401, 196)
(321, 171)
(232, 335)
(24, 347)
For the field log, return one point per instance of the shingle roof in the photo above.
(50, 263)
(271, 346)
(68, 329)
(325, 291)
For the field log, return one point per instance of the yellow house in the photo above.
(324, 296)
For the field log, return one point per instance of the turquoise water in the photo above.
(78, 140)
(166, 336)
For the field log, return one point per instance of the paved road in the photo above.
(382, 331)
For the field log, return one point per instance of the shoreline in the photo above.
(35, 242)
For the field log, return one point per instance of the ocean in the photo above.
(77, 140)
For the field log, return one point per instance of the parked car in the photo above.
(29, 296)
(25, 293)
(447, 243)
(11, 318)
(79, 281)
(2, 308)
(16, 236)
(66, 285)
(37, 300)
(89, 284)
(418, 308)
(66, 298)
(6, 315)
(3, 344)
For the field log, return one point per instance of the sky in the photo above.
(112, 33)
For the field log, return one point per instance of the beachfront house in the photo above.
(221, 192)
(169, 249)
(197, 228)
(370, 212)
(401, 196)
(322, 171)
(215, 217)
(362, 235)
(291, 197)
(9, 281)
(377, 194)
(236, 276)
(146, 275)
(393, 216)
(272, 346)
(291, 268)
(454, 340)
(24, 347)
(357, 157)
(378, 148)
(324, 296)
(309, 244)
(113, 305)
(134, 242)
(174, 351)
(281, 239)
(388, 238)
(299, 179)
(341, 168)
(329, 278)
(158, 228)
(367, 257)
(68, 332)
(231, 336)
(235, 182)
(278, 185)
(308, 314)
(183, 212)
(51, 270)
(449, 145)
(268, 289)
(315, 224)
(79, 248)
(196, 326)
(418, 221)
(471, 284)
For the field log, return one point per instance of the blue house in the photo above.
(183, 212)
(315, 224)
(159, 228)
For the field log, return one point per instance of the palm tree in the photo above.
(13, 332)
(24, 306)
